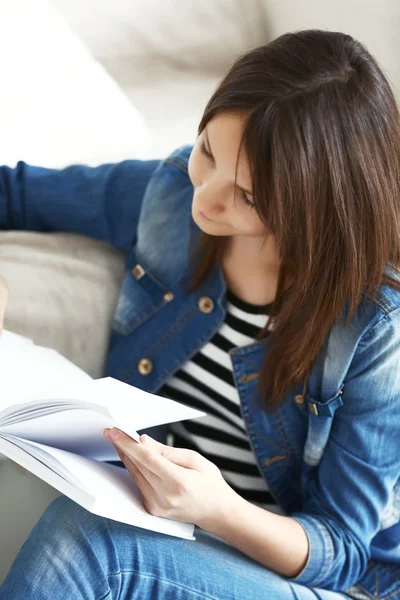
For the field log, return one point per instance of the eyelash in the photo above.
(204, 151)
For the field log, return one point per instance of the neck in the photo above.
(261, 254)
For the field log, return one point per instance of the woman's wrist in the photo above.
(227, 513)
(278, 542)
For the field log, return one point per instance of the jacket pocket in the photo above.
(141, 296)
(320, 419)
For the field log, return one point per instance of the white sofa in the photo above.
(61, 106)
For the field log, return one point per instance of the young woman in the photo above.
(263, 287)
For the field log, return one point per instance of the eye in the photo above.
(246, 200)
(204, 150)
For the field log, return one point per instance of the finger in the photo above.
(183, 457)
(151, 477)
(143, 484)
(146, 456)
(130, 464)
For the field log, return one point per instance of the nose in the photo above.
(210, 199)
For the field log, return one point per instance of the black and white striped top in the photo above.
(206, 382)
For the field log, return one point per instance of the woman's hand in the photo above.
(175, 482)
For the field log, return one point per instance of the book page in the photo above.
(80, 430)
(38, 452)
(76, 430)
(28, 372)
(12, 450)
(103, 489)
(116, 492)
(9, 340)
(129, 405)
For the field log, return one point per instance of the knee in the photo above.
(64, 526)
(63, 514)
(62, 555)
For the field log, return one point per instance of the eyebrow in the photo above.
(209, 145)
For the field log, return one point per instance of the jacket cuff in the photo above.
(320, 552)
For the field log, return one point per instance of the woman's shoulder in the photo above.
(380, 314)
(387, 299)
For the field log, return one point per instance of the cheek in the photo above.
(251, 224)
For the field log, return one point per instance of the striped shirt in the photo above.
(205, 382)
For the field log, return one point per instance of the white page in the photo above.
(38, 452)
(10, 340)
(116, 492)
(127, 403)
(113, 492)
(33, 410)
(30, 371)
(79, 431)
(26, 461)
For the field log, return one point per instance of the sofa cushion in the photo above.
(202, 36)
(63, 289)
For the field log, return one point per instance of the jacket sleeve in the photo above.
(360, 466)
(101, 202)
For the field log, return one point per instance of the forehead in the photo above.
(225, 132)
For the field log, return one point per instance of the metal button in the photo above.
(168, 296)
(145, 366)
(299, 399)
(206, 305)
(138, 272)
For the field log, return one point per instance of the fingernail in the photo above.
(114, 434)
(106, 433)
(146, 439)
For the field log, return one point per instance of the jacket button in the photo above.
(138, 272)
(206, 305)
(299, 399)
(168, 296)
(145, 366)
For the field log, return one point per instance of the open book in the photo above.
(52, 418)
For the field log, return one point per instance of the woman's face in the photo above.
(219, 207)
(3, 300)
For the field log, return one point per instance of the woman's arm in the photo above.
(101, 202)
(277, 542)
(181, 484)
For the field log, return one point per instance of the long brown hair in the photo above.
(322, 138)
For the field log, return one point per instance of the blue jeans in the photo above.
(72, 554)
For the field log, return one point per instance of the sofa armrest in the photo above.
(63, 289)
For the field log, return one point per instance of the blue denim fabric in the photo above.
(73, 554)
(331, 458)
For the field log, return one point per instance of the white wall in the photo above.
(110, 28)
(375, 23)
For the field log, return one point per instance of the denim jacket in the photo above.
(331, 456)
